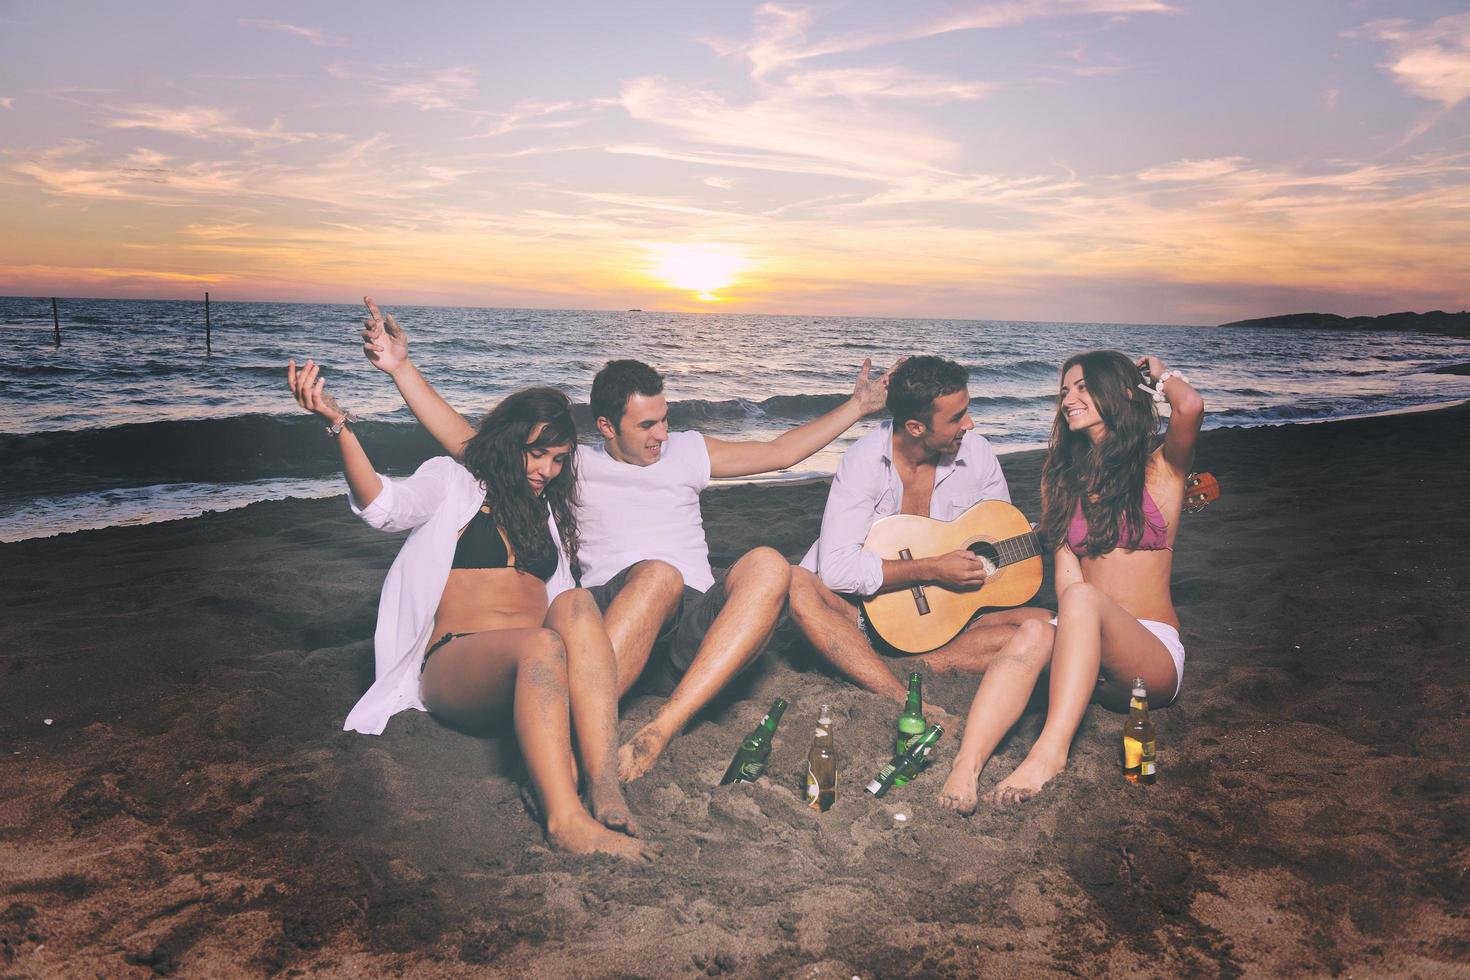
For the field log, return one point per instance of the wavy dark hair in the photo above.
(496, 456)
(1108, 478)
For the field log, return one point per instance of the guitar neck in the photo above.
(1019, 548)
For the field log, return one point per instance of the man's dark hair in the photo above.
(616, 383)
(917, 382)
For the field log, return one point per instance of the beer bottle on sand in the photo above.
(1140, 761)
(905, 763)
(911, 724)
(750, 760)
(821, 765)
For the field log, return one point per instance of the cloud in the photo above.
(780, 133)
(1193, 170)
(1432, 62)
(7, 102)
(316, 37)
(859, 84)
(779, 40)
(203, 123)
(446, 88)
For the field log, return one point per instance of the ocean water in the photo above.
(129, 421)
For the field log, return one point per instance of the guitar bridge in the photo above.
(917, 591)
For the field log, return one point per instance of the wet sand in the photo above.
(193, 806)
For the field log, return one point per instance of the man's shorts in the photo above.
(682, 634)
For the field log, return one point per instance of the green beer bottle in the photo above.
(911, 724)
(905, 763)
(750, 760)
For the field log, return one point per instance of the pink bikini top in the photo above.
(1155, 530)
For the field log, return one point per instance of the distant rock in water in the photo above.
(1435, 321)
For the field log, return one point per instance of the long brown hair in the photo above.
(1107, 477)
(496, 455)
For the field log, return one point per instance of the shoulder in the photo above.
(862, 462)
(447, 469)
(974, 446)
(688, 442)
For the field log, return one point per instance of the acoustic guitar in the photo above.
(925, 617)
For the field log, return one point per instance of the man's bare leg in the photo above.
(637, 613)
(972, 651)
(756, 588)
(830, 624)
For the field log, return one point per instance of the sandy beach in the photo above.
(177, 796)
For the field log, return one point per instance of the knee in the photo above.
(545, 646)
(764, 568)
(577, 602)
(658, 577)
(1081, 598)
(1034, 639)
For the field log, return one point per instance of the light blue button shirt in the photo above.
(867, 487)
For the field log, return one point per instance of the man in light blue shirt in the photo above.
(928, 461)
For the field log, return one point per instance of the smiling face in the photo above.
(948, 423)
(544, 463)
(642, 431)
(1077, 406)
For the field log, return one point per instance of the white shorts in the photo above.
(1169, 637)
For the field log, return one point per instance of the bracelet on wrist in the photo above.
(1157, 391)
(335, 429)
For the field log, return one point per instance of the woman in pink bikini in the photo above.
(1111, 497)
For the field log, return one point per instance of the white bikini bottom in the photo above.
(1169, 637)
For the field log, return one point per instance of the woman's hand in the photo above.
(308, 388)
(1152, 366)
(383, 340)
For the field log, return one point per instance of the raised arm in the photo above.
(309, 389)
(728, 459)
(386, 345)
(1186, 413)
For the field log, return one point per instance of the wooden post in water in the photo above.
(208, 347)
(55, 322)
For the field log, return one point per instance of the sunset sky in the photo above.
(1099, 160)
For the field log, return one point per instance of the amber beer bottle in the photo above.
(750, 760)
(1140, 762)
(821, 765)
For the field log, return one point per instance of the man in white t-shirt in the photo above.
(928, 461)
(643, 550)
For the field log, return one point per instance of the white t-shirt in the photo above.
(629, 513)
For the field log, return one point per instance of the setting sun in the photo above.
(701, 269)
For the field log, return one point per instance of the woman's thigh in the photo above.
(1129, 650)
(470, 681)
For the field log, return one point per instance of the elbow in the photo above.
(1189, 405)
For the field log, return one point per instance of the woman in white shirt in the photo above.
(488, 574)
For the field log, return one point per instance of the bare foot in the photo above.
(1026, 781)
(959, 791)
(639, 754)
(610, 808)
(583, 835)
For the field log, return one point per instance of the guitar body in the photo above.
(926, 617)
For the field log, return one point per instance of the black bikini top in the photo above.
(481, 545)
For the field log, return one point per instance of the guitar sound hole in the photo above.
(986, 550)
